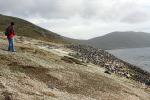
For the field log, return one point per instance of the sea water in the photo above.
(137, 56)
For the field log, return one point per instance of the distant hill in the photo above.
(120, 40)
(25, 28)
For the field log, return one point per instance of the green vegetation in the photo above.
(25, 28)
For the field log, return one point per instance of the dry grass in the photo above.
(36, 74)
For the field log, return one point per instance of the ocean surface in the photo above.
(137, 56)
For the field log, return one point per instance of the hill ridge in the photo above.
(120, 40)
(28, 29)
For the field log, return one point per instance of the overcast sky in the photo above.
(82, 19)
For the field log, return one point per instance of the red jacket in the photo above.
(11, 31)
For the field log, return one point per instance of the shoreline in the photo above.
(111, 63)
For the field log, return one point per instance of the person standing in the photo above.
(10, 33)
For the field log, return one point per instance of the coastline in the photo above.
(111, 63)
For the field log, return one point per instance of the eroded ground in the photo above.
(38, 72)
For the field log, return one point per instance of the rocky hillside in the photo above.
(120, 40)
(48, 71)
(25, 28)
(110, 63)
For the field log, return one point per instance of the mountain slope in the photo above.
(25, 28)
(38, 72)
(119, 40)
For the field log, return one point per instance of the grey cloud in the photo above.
(136, 17)
(43, 8)
(105, 10)
(80, 16)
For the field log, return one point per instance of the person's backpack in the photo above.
(6, 32)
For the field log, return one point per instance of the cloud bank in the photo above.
(82, 19)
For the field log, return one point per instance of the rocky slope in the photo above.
(46, 71)
(110, 63)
